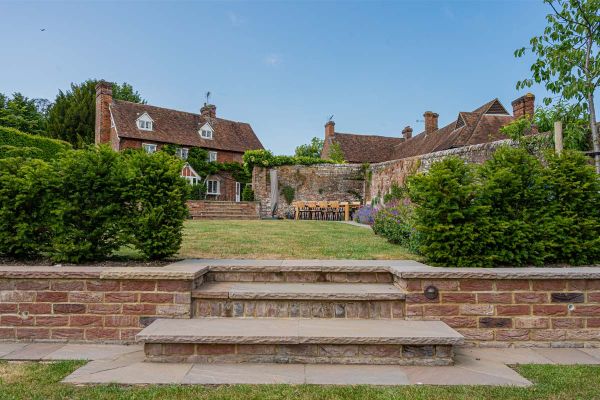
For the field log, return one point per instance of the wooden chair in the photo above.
(333, 212)
(322, 213)
(312, 209)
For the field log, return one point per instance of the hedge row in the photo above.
(265, 158)
(512, 210)
(14, 143)
(88, 203)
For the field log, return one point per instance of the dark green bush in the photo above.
(26, 204)
(512, 210)
(157, 208)
(247, 193)
(197, 191)
(90, 213)
(50, 148)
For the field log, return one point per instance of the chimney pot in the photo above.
(209, 110)
(329, 129)
(407, 132)
(524, 106)
(431, 121)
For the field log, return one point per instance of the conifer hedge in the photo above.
(16, 143)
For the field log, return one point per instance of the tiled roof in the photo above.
(366, 148)
(479, 126)
(178, 127)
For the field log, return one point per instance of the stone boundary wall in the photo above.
(89, 304)
(325, 182)
(384, 174)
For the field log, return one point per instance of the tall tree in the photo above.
(313, 149)
(25, 114)
(72, 116)
(568, 57)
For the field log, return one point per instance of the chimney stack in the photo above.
(407, 132)
(524, 105)
(431, 121)
(103, 101)
(329, 129)
(209, 110)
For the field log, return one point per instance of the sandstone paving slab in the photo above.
(133, 374)
(493, 368)
(567, 356)
(506, 356)
(215, 374)
(105, 365)
(355, 375)
(377, 332)
(74, 351)
(300, 291)
(33, 351)
(7, 348)
(595, 352)
(221, 330)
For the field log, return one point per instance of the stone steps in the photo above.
(292, 300)
(223, 210)
(298, 340)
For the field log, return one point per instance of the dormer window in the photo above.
(144, 122)
(206, 132)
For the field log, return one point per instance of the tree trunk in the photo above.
(594, 126)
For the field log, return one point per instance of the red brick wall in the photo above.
(511, 312)
(222, 155)
(88, 309)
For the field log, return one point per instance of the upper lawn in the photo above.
(285, 239)
(42, 381)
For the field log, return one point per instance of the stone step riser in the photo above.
(240, 308)
(374, 354)
(300, 277)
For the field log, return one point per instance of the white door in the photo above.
(238, 191)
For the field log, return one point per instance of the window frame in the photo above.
(210, 156)
(216, 183)
(146, 146)
(182, 152)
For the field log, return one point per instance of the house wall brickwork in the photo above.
(343, 182)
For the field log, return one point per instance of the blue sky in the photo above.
(284, 67)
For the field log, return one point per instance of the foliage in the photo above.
(89, 215)
(513, 210)
(72, 118)
(197, 191)
(313, 149)
(366, 215)
(396, 222)
(24, 114)
(568, 57)
(155, 196)
(17, 143)
(288, 194)
(26, 200)
(247, 193)
(265, 158)
(396, 192)
(336, 154)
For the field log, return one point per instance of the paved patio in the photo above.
(125, 365)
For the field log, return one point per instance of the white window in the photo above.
(212, 156)
(206, 132)
(212, 187)
(182, 152)
(144, 122)
(192, 180)
(149, 147)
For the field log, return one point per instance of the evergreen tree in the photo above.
(22, 113)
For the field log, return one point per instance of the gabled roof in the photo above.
(365, 148)
(179, 127)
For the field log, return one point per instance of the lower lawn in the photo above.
(42, 381)
(285, 239)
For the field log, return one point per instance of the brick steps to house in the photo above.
(298, 340)
(306, 300)
(223, 210)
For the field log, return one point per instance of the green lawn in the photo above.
(285, 239)
(42, 381)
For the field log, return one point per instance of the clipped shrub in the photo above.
(49, 149)
(90, 212)
(247, 193)
(156, 197)
(7, 151)
(197, 191)
(26, 204)
(454, 226)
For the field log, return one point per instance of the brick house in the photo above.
(481, 125)
(125, 125)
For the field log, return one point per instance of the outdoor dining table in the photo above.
(348, 207)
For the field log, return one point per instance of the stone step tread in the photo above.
(299, 291)
(299, 331)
